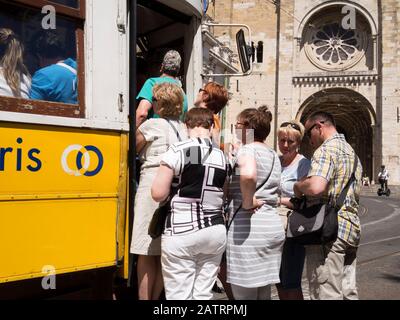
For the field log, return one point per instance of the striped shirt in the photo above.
(201, 170)
(255, 240)
(334, 161)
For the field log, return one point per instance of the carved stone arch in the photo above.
(355, 118)
(310, 14)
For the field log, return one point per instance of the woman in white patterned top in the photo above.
(194, 238)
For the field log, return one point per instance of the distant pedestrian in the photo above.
(331, 267)
(383, 177)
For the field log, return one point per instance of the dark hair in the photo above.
(141, 65)
(322, 116)
(49, 44)
(257, 119)
(199, 117)
(217, 97)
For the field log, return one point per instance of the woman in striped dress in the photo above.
(256, 234)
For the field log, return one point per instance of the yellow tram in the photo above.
(66, 189)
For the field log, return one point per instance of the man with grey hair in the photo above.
(170, 67)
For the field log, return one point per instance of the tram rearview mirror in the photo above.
(243, 50)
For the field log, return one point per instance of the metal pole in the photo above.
(276, 106)
(132, 121)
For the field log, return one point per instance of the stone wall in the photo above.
(377, 74)
(391, 87)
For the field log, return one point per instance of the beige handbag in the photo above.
(283, 214)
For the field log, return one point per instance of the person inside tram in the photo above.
(169, 73)
(214, 97)
(15, 80)
(383, 177)
(57, 79)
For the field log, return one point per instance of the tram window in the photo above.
(68, 3)
(47, 58)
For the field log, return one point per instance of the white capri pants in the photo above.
(190, 263)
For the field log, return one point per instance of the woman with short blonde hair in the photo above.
(294, 128)
(14, 76)
(153, 137)
(169, 98)
(294, 167)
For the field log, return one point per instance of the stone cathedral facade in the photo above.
(312, 55)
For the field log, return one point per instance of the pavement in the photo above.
(372, 190)
(378, 273)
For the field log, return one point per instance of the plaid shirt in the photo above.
(334, 161)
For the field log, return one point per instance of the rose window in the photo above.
(331, 47)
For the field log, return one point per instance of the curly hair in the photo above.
(169, 98)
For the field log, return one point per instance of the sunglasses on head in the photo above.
(292, 125)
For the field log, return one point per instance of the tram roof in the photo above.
(187, 7)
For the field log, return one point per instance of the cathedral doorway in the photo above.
(354, 116)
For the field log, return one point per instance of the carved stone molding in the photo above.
(336, 79)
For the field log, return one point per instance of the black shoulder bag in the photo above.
(258, 188)
(317, 224)
(157, 223)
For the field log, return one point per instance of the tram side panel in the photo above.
(62, 200)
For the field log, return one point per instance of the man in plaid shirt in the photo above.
(331, 268)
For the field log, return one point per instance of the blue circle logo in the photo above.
(83, 160)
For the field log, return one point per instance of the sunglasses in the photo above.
(292, 125)
(202, 90)
(239, 123)
(308, 132)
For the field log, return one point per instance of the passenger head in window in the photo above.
(214, 97)
(14, 75)
(56, 81)
(169, 69)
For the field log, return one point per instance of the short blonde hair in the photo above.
(169, 98)
(294, 128)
